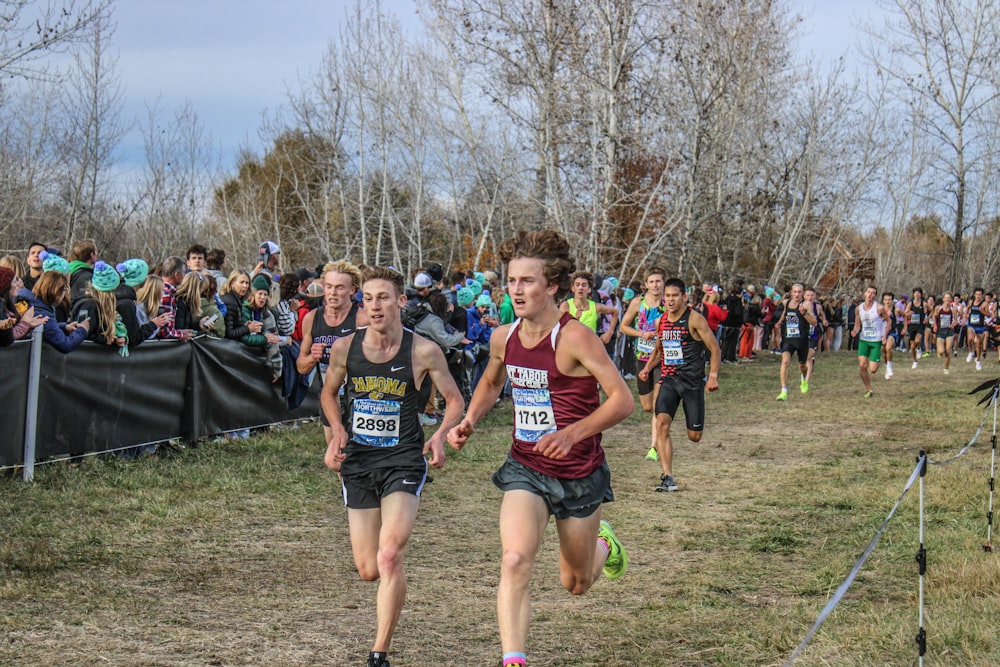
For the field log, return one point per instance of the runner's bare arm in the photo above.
(584, 352)
(628, 319)
(490, 385)
(808, 312)
(429, 361)
(654, 359)
(700, 330)
(330, 402)
(307, 359)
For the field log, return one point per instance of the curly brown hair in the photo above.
(547, 245)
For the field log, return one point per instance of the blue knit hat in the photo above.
(476, 287)
(484, 301)
(628, 294)
(134, 271)
(53, 262)
(105, 279)
(479, 277)
(465, 297)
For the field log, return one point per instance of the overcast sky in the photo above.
(233, 59)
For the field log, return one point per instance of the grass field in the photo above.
(237, 553)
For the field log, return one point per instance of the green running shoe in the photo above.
(783, 395)
(617, 561)
(651, 455)
(804, 386)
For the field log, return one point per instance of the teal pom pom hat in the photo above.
(106, 278)
(484, 301)
(53, 262)
(465, 297)
(133, 271)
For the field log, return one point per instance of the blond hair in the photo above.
(150, 294)
(343, 266)
(14, 264)
(190, 291)
(107, 311)
(227, 286)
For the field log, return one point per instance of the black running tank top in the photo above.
(683, 356)
(383, 415)
(322, 332)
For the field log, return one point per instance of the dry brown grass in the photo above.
(237, 553)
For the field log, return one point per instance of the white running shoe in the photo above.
(979, 365)
(946, 371)
(914, 365)
(968, 359)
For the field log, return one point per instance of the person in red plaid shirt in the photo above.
(172, 272)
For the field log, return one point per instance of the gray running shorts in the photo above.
(564, 497)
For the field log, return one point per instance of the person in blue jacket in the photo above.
(51, 293)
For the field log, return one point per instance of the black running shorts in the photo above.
(646, 388)
(365, 490)
(799, 346)
(673, 392)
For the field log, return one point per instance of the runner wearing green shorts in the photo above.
(872, 324)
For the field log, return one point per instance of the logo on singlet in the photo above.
(377, 386)
(531, 378)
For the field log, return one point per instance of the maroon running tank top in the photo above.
(546, 400)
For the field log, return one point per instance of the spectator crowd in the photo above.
(82, 297)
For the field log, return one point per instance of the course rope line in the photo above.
(975, 436)
(842, 589)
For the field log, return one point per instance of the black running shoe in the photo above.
(667, 483)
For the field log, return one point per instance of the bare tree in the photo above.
(946, 58)
(170, 198)
(30, 29)
(92, 101)
(29, 164)
(525, 48)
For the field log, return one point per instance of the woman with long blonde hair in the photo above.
(234, 293)
(189, 301)
(100, 306)
(149, 296)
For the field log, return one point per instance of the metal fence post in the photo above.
(31, 406)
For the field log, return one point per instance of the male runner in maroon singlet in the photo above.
(556, 465)
(682, 337)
